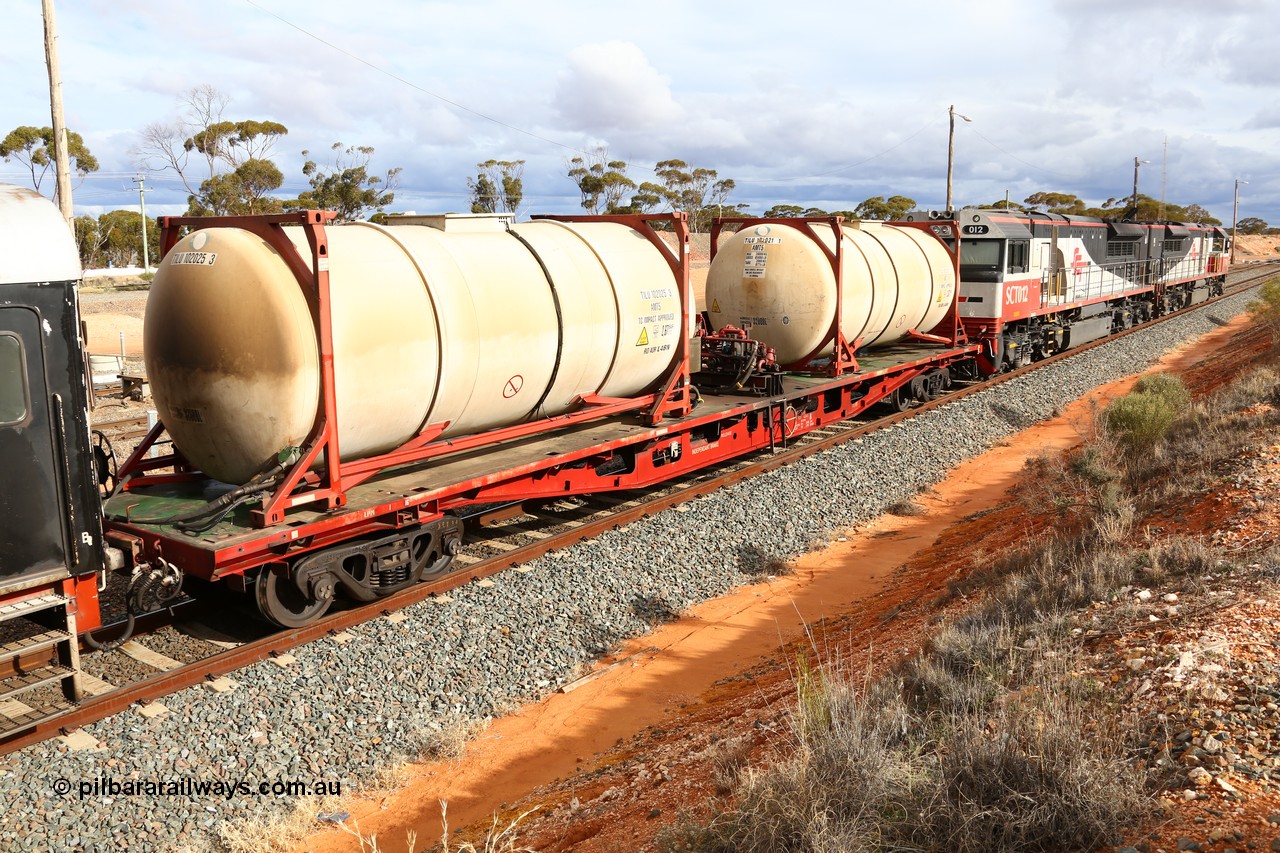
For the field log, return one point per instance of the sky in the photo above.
(809, 103)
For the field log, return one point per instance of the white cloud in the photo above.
(610, 87)
(827, 106)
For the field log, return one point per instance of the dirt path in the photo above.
(109, 333)
(114, 319)
(716, 671)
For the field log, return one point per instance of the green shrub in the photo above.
(1141, 419)
(1166, 386)
(1266, 307)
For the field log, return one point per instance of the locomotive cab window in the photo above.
(13, 382)
(1018, 253)
(980, 260)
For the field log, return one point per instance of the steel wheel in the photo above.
(901, 399)
(104, 464)
(282, 603)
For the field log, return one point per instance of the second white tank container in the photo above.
(777, 280)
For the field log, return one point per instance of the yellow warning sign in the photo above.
(715, 305)
(644, 337)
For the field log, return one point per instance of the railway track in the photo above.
(500, 537)
(125, 427)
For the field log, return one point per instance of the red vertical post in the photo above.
(318, 240)
(313, 280)
(674, 398)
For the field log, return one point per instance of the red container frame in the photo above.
(843, 352)
(329, 483)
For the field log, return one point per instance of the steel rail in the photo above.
(141, 420)
(189, 675)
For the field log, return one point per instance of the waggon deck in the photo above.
(458, 479)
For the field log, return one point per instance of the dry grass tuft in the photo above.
(437, 741)
(496, 840)
(267, 834)
(875, 771)
(905, 509)
(759, 563)
(729, 760)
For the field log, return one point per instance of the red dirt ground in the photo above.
(646, 735)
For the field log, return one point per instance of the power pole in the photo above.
(141, 181)
(1235, 214)
(62, 161)
(1164, 176)
(1136, 163)
(951, 149)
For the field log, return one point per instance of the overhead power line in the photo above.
(350, 55)
(1024, 162)
(862, 162)
(413, 85)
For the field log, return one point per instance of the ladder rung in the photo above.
(34, 604)
(16, 716)
(33, 644)
(14, 684)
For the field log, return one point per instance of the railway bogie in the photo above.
(295, 593)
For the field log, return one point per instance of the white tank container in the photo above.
(777, 280)
(478, 329)
(35, 242)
